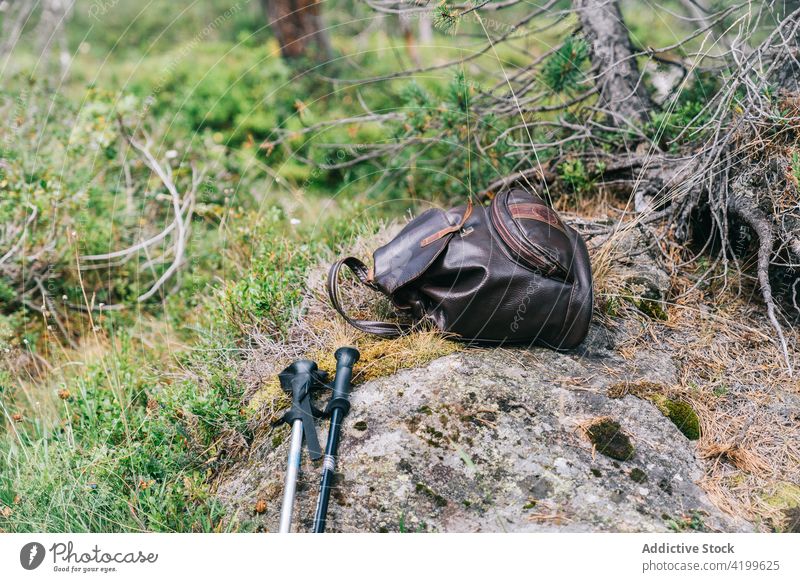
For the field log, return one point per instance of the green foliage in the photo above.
(691, 522)
(562, 71)
(574, 174)
(78, 189)
(237, 92)
(50, 186)
(460, 90)
(123, 30)
(685, 116)
(577, 177)
(447, 164)
(794, 168)
(267, 295)
(445, 17)
(129, 453)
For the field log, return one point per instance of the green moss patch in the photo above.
(786, 497)
(680, 413)
(638, 475)
(607, 436)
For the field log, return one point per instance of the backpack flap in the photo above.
(418, 245)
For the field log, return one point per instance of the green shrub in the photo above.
(129, 453)
(685, 116)
(563, 70)
(239, 92)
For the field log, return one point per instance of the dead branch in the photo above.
(22, 232)
(182, 208)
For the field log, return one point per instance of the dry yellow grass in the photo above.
(732, 373)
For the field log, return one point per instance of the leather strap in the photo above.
(360, 270)
(450, 229)
(299, 379)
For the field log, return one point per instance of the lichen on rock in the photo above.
(496, 440)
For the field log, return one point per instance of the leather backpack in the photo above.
(510, 272)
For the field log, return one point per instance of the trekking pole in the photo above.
(338, 407)
(299, 380)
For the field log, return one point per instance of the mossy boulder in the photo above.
(494, 440)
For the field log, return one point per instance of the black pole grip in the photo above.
(299, 379)
(338, 408)
(346, 358)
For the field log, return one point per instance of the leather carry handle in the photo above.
(359, 269)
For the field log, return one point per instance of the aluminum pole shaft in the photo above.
(292, 470)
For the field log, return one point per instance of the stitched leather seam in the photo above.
(517, 214)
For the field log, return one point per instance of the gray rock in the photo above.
(496, 440)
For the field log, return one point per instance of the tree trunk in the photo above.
(425, 29)
(14, 20)
(622, 94)
(51, 31)
(298, 27)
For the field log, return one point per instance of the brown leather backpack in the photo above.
(509, 272)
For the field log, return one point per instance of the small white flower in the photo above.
(171, 154)
(295, 221)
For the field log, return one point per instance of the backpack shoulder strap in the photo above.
(359, 269)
